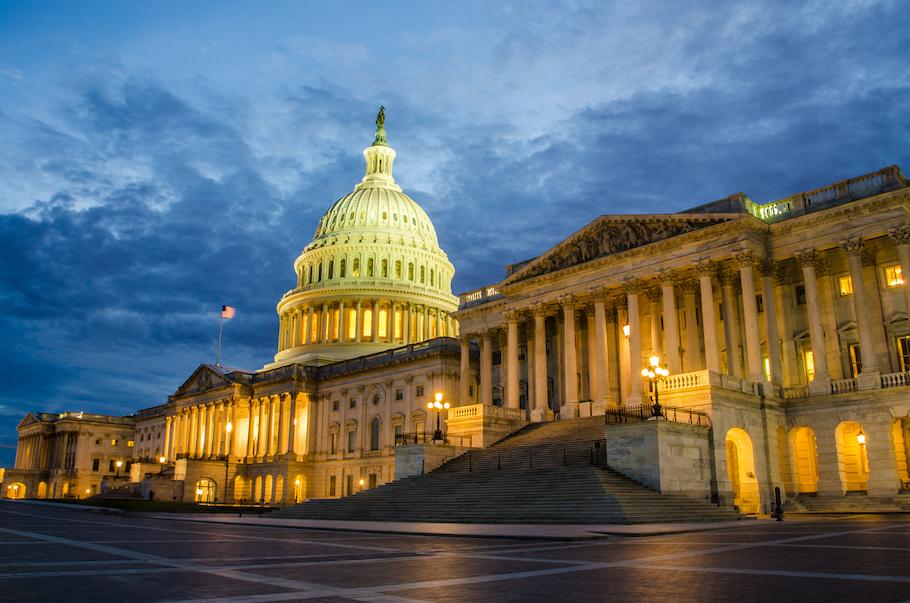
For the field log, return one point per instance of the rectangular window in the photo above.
(809, 363)
(349, 484)
(547, 341)
(333, 481)
(497, 357)
(845, 285)
(111, 467)
(399, 394)
(760, 303)
(766, 363)
(522, 351)
(114, 442)
(800, 291)
(367, 322)
(420, 391)
(96, 465)
(471, 391)
(130, 443)
(856, 360)
(352, 403)
(352, 440)
(333, 443)
(371, 480)
(399, 431)
(352, 325)
(903, 351)
(97, 441)
(334, 404)
(383, 327)
(720, 311)
(419, 427)
(893, 276)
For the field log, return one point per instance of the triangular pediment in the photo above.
(29, 419)
(204, 378)
(610, 235)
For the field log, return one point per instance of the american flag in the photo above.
(228, 311)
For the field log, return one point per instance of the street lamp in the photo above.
(655, 374)
(119, 464)
(438, 405)
(296, 490)
(361, 482)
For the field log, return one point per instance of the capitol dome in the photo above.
(372, 278)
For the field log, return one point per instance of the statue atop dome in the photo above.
(380, 128)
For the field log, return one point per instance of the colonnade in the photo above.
(614, 311)
(33, 451)
(363, 320)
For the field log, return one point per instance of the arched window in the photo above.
(310, 279)
(410, 271)
(398, 269)
(319, 278)
(374, 434)
(370, 268)
(432, 279)
(385, 268)
(332, 270)
(423, 274)
(205, 490)
(355, 268)
(341, 266)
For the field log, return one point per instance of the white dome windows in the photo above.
(355, 268)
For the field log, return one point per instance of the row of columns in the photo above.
(272, 427)
(664, 304)
(32, 451)
(200, 431)
(315, 324)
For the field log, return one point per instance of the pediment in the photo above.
(204, 378)
(609, 235)
(29, 419)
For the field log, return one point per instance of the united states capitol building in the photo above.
(784, 330)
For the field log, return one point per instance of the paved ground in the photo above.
(53, 554)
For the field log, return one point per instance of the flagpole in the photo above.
(220, 329)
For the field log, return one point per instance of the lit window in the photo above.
(845, 285)
(355, 268)
(368, 322)
(352, 324)
(893, 277)
(856, 360)
(903, 350)
(114, 442)
(809, 361)
(766, 363)
(130, 443)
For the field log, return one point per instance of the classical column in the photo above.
(654, 298)
(439, 323)
(281, 328)
(901, 236)
(230, 438)
(808, 258)
(391, 322)
(767, 268)
(869, 376)
(512, 319)
(307, 329)
(486, 367)
(358, 322)
(211, 427)
(193, 451)
(706, 269)
(502, 337)
(632, 287)
(292, 426)
(218, 430)
(600, 345)
(281, 432)
(746, 260)
(570, 374)
(692, 356)
(465, 369)
(374, 333)
(167, 439)
(324, 324)
(260, 430)
(783, 297)
(251, 430)
(671, 321)
(426, 323)
(270, 420)
(342, 322)
(541, 403)
(732, 336)
(406, 323)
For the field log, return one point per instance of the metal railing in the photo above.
(643, 412)
(409, 439)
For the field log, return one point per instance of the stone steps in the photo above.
(848, 504)
(569, 489)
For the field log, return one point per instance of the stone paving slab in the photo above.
(521, 531)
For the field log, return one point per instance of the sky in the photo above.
(159, 159)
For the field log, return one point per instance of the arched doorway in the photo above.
(241, 489)
(267, 495)
(901, 436)
(852, 460)
(42, 490)
(804, 451)
(205, 490)
(299, 488)
(15, 490)
(279, 490)
(741, 470)
(257, 489)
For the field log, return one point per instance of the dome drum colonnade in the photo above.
(373, 277)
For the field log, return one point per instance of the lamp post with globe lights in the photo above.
(655, 374)
(438, 405)
(119, 464)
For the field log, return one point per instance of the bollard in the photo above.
(778, 507)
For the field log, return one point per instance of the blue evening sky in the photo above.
(158, 159)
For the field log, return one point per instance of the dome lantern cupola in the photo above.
(372, 278)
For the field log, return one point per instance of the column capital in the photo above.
(706, 267)
(465, 338)
(852, 246)
(539, 310)
(514, 316)
(767, 267)
(689, 285)
(600, 294)
(654, 295)
(666, 276)
(631, 285)
(567, 301)
(490, 333)
(807, 257)
(900, 235)
(745, 257)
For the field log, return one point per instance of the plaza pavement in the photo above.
(52, 553)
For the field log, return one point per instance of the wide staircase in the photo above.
(850, 503)
(543, 473)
